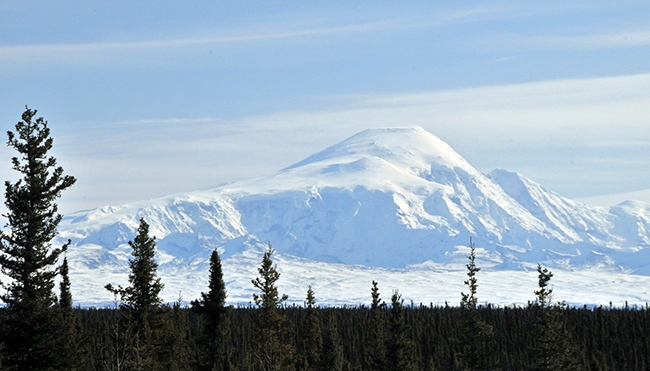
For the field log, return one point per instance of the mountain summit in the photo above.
(387, 198)
(377, 159)
(406, 148)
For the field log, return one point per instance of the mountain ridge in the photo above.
(384, 198)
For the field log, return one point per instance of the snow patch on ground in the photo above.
(340, 284)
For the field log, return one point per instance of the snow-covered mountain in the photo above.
(396, 198)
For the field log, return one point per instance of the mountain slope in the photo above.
(386, 198)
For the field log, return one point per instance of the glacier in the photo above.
(397, 205)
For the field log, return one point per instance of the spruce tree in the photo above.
(375, 343)
(333, 357)
(141, 302)
(272, 351)
(470, 301)
(553, 348)
(27, 256)
(214, 351)
(401, 350)
(477, 337)
(142, 295)
(313, 339)
(71, 352)
(65, 296)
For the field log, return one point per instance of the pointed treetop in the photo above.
(376, 300)
(144, 288)
(469, 301)
(311, 299)
(215, 298)
(269, 275)
(65, 297)
(544, 295)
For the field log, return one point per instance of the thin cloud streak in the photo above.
(172, 121)
(72, 53)
(613, 40)
(20, 51)
(30, 51)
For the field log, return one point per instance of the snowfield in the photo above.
(340, 284)
(393, 205)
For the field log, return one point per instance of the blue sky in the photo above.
(149, 98)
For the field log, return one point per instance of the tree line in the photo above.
(40, 330)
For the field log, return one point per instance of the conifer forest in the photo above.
(41, 330)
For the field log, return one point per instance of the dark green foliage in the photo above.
(553, 348)
(476, 341)
(271, 349)
(312, 336)
(607, 339)
(269, 299)
(401, 352)
(214, 351)
(29, 331)
(333, 357)
(469, 301)
(112, 349)
(65, 295)
(71, 352)
(140, 299)
(543, 296)
(375, 344)
(142, 324)
(175, 347)
(141, 296)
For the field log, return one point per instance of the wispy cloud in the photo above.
(594, 41)
(70, 53)
(536, 129)
(23, 50)
(614, 40)
(109, 52)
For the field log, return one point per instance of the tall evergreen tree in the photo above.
(313, 339)
(141, 301)
(215, 351)
(65, 295)
(71, 352)
(553, 349)
(470, 301)
(26, 253)
(477, 336)
(401, 350)
(375, 343)
(272, 351)
(142, 295)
